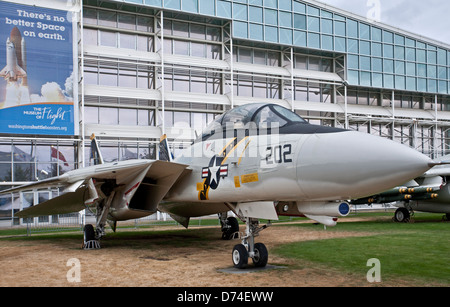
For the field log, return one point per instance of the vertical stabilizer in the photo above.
(95, 155)
(164, 150)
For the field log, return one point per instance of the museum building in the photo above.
(141, 68)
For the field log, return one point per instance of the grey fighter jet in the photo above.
(258, 161)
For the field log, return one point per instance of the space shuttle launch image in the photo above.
(15, 70)
(14, 57)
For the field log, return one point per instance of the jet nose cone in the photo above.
(350, 165)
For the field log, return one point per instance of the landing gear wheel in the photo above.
(89, 233)
(261, 255)
(402, 215)
(240, 256)
(230, 228)
(90, 240)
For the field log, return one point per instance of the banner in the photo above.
(37, 71)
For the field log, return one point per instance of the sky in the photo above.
(427, 18)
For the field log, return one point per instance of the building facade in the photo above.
(148, 67)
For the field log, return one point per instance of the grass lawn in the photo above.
(417, 251)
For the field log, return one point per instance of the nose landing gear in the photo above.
(249, 249)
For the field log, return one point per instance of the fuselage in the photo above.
(302, 163)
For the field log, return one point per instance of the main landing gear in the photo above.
(249, 249)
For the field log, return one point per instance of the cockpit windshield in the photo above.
(254, 116)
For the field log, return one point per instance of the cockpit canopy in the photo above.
(253, 117)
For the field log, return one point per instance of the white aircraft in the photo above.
(12, 71)
(429, 192)
(257, 160)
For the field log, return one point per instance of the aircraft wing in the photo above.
(84, 186)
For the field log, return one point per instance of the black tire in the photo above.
(402, 215)
(261, 255)
(233, 224)
(240, 256)
(89, 233)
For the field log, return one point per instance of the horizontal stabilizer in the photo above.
(66, 203)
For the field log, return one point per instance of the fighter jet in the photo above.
(429, 192)
(258, 161)
(15, 49)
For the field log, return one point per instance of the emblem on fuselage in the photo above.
(212, 175)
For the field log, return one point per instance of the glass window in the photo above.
(271, 34)
(127, 41)
(352, 46)
(364, 31)
(411, 69)
(377, 80)
(127, 117)
(339, 44)
(352, 28)
(313, 40)
(388, 66)
(421, 56)
(432, 73)
(108, 19)
(271, 3)
(255, 14)
(286, 36)
(127, 21)
(286, 19)
(388, 37)
(108, 39)
(432, 57)
(399, 82)
(327, 26)
(270, 17)
(256, 31)
(421, 85)
(207, 7)
(239, 11)
(353, 77)
(377, 49)
(388, 51)
(442, 57)
(285, 5)
(376, 34)
(190, 6)
(364, 48)
(442, 73)
(399, 40)
(172, 4)
(442, 87)
(313, 11)
(327, 42)
(299, 7)
(389, 81)
(410, 54)
(313, 24)
(300, 22)
(377, 64)
(365, 78)
(365, 62)
(339, 28)
(240, 29)
(411, 84)
(432, 86)
(224, 8)
(421, 70)
(300, 38)
(399, 67)
(399, 52)
(410, 42)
